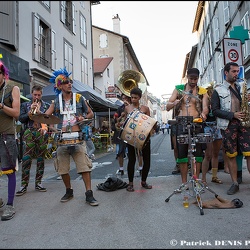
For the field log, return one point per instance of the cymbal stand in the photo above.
(194, 187)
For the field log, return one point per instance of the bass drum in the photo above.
(137, 129)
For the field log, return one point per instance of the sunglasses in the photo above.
(67, 82)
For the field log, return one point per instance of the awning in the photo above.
(24, 99)
(96, 100)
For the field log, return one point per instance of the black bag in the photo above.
(112, 184)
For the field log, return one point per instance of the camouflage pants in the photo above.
(35, 147)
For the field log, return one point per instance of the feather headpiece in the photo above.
(58, 77)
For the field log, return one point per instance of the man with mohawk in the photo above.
(72, 109)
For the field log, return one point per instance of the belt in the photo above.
(65, 142)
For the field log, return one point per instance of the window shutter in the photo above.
(63, 15)
(53, 49)
(36, 38)
(73, 18)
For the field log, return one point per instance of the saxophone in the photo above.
(244, 105)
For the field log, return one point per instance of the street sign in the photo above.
(232, 51)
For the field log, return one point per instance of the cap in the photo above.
(193, 72)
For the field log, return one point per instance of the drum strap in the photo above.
(68, 112)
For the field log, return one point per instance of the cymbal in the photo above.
(85, 121)
(189, 94)
(47, 119)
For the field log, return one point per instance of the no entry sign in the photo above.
(232, 51)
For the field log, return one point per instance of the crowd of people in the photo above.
(219, 108)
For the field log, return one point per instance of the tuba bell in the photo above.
(130, 79)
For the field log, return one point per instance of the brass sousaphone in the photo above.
(130, 79)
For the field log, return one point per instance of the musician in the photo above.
(119, 119)
(35, 137)
(9, 113)
(227, 106)
(136, 94)
(189, 100)
(72, 109)
(173, 140)
(212, 148)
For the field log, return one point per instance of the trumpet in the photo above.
(34, 110)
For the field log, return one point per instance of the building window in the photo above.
(103, 41)
(226, 12)
(68, 56)
(83, 31)
(42, 42)
(68, 15)
(216, 30)
(108, 74)
(209, 44)
(84, 69)
(246, 45)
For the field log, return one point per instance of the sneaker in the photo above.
(92, 157)
(68, 196)
(120, 172)
(40, 188)
(233, 189)
(90, 198)
(59, 177)
(22, 190)
(1, 203)
(8, 213)
(176, 169)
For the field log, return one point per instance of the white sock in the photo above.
(140, 168)
(121, 168)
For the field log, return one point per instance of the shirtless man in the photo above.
(136, 94)
(197, 102)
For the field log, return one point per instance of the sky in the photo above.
(160, 33)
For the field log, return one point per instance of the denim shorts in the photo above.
(6, 160)
(214, 131)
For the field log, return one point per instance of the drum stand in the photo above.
(194, 187)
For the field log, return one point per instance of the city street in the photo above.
(124, 220)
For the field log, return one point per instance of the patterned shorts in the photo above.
(236, 138)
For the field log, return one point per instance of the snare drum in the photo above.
(69, 139)
(182, 139)
(203, 138)
(137, 129)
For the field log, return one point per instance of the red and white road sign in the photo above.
(232, 49)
